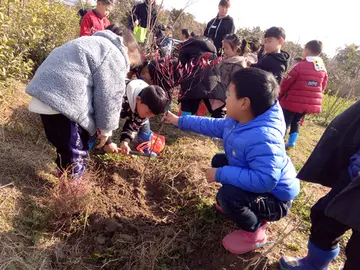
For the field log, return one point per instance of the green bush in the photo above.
(29, 31)
(333, 105)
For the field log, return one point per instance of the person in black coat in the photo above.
(196, 71)
(220, 26)
(335, 163)
(271, 58)
(140, 13)
(204, 83)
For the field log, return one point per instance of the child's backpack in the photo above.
(82, 13)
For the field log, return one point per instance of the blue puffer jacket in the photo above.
(256, 152)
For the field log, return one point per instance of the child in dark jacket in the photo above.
(140, 103)
(274, 60)
(258, 179)
(334, 163)
(301, 90)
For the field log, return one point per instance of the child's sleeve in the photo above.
(85, 27)
(108, 93)
(286, 83)
(325, 82)
(203, 125)
(265, 161)
(131, 129)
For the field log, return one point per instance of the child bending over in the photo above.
(140, 103)
(258, 179)
(78, 90)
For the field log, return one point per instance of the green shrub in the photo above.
(29, 31)
(333, 105)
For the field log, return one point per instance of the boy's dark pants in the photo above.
(192, 105)
(326, 232)
(292, 120)
(247, 209)
(71, 142)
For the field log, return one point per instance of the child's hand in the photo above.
(103, 140)
(211, 175)
(124, 148)
(111, 148)
(170, 118)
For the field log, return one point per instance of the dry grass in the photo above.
(165, 222)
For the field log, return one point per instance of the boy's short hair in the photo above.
(155, 98)
(224, 3)
(107, 2)
(257, 85)
(185, 32)
(276, 32)
(315, 47)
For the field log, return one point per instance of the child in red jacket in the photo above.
(96, 19)
(301, 90)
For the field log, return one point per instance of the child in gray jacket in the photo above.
(78, 91)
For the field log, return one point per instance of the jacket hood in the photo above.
(133, 90)
(228, 17)
(282, 56)
(237, 60)
(319, 64)
(117, 41)
(272, 118)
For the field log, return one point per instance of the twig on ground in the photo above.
(7, 185)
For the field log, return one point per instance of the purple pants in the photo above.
(71, 142)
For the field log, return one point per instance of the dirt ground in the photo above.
(140, 214)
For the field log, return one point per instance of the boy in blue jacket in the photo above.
(258, 179)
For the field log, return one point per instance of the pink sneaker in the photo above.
(240, 242)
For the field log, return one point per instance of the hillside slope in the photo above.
(163, 220)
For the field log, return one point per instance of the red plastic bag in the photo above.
(156, 144)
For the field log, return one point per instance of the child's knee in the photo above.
(219, 160)
(229, 197)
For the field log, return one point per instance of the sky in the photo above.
(335, 23)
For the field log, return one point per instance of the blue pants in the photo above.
(145, 128)
(71, 142)
(248, 209)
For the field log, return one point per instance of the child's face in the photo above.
(228, 50)
(235, 107)
(272, 44)
(104, 9)
(142, 109)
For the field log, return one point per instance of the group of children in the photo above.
(82, 89)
